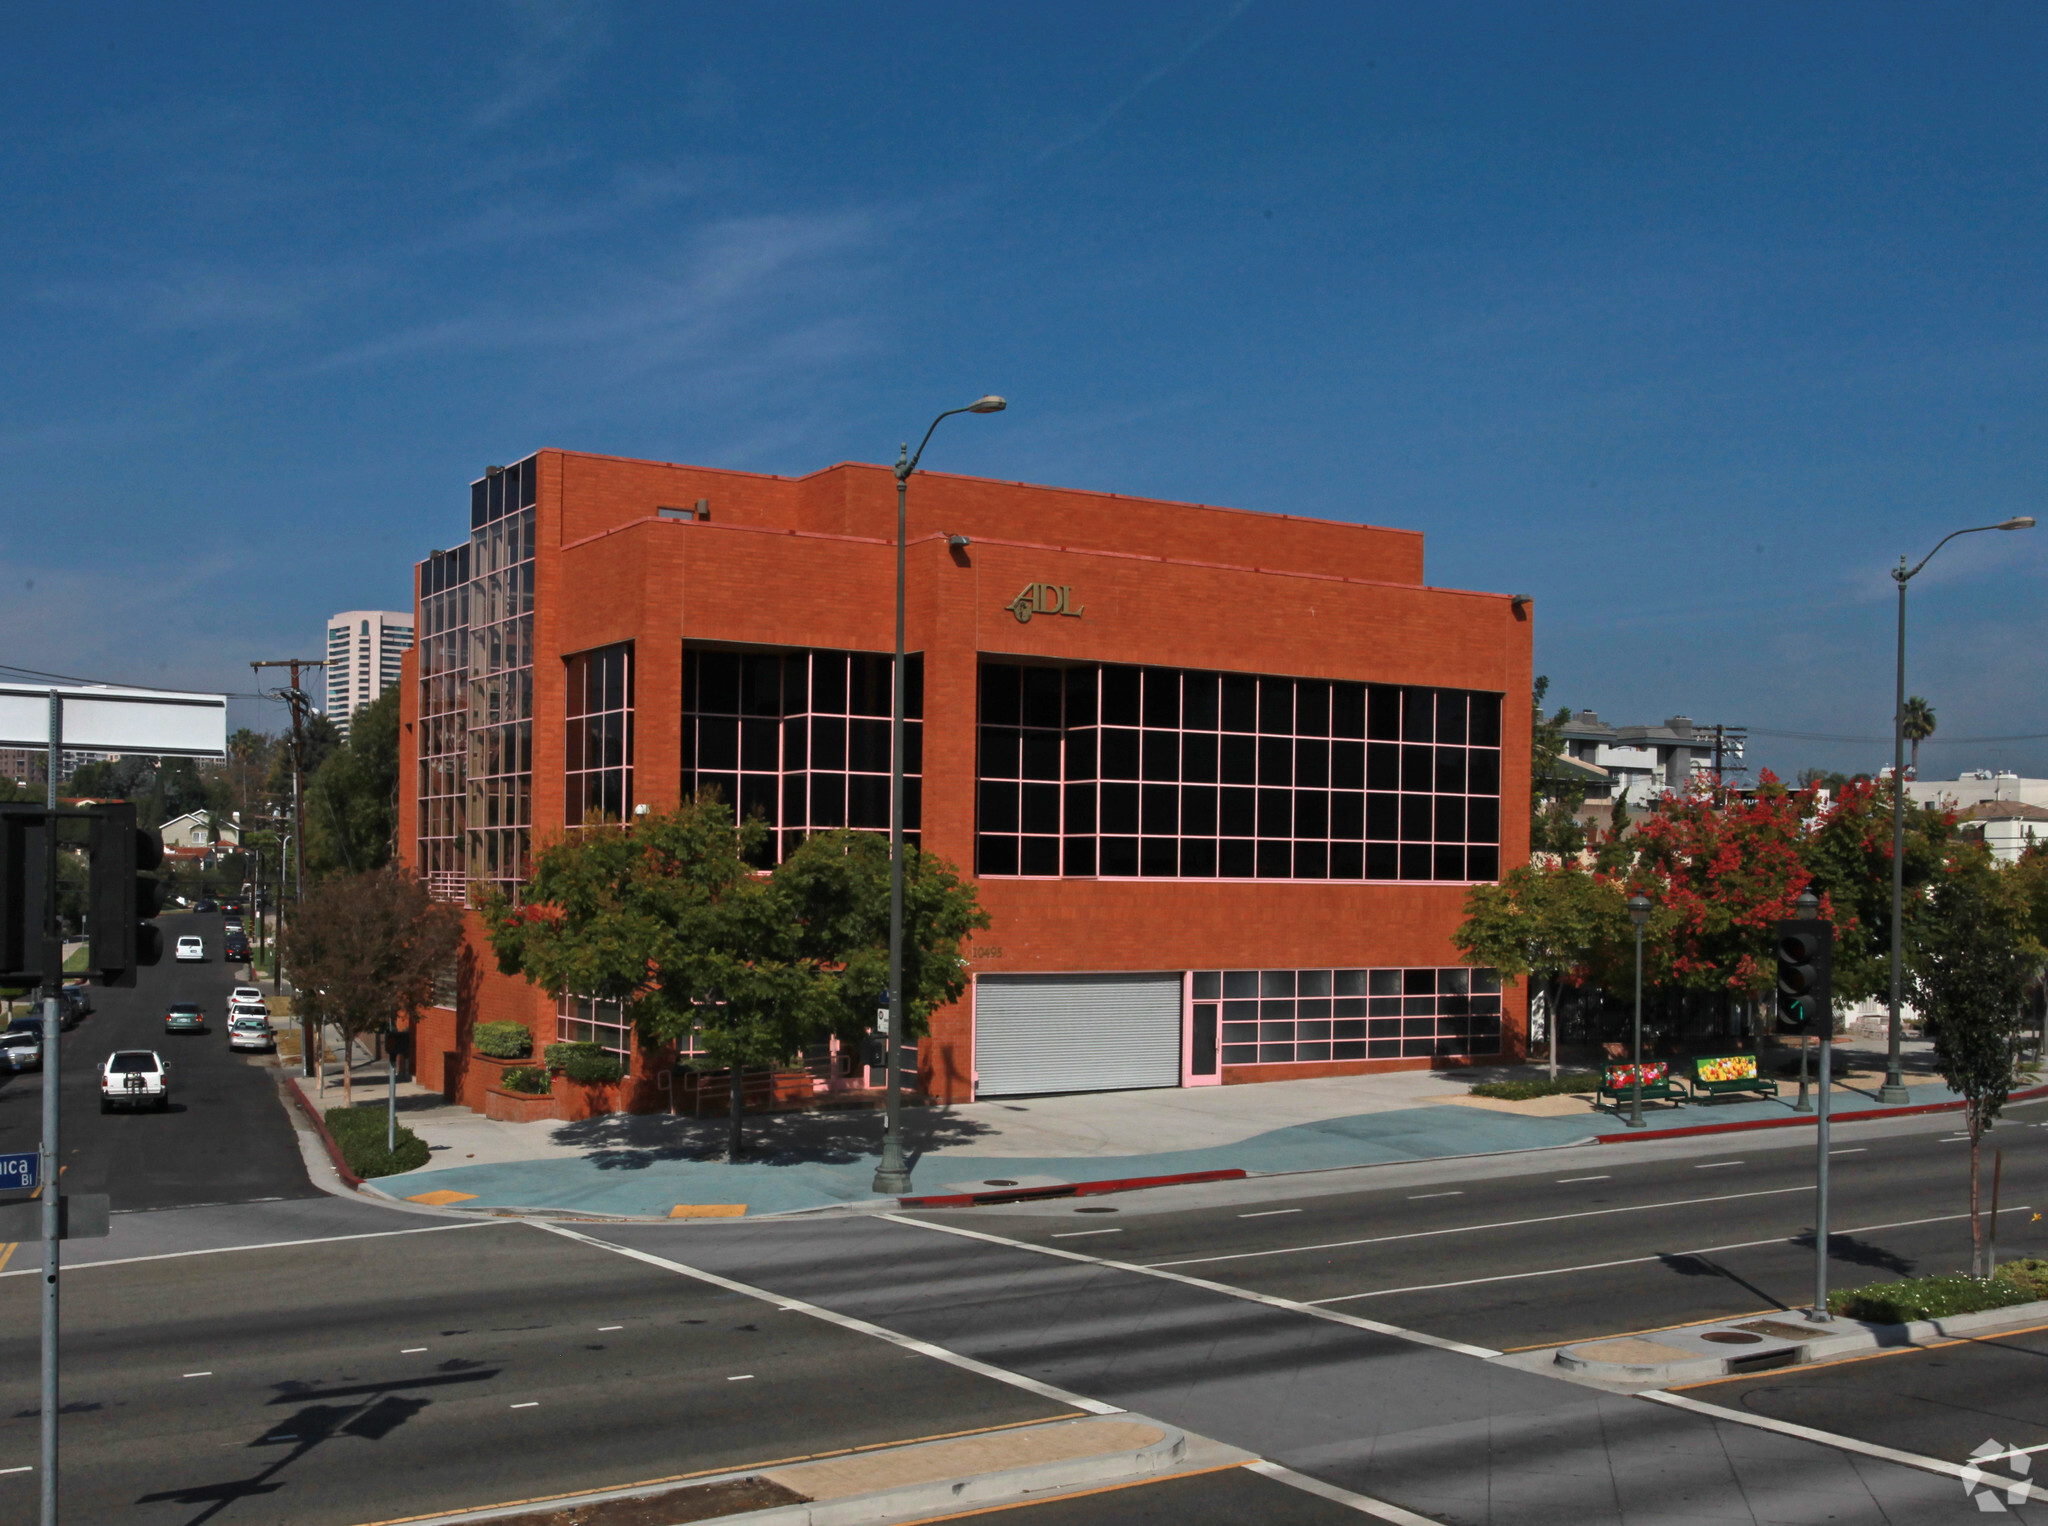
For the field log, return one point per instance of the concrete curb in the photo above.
(326, 1138)
(1785, 1340)
(1805, 1120)
(838, 1500)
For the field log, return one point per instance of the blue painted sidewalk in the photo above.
(620, 1174)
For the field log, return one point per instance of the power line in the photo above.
(1827, 736)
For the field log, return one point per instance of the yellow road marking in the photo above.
(1864, 1356)
(7, 1255)
(707, 1211)
(441, 1197)
(1040, 1499)
(745, 1467)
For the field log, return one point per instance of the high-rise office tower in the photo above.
(364, 647)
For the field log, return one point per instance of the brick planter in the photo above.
(577, 1100)
(518, 1107)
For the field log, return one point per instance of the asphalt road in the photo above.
(1228, 1497)
(1946, 1400)
(225, 1139)
(1492, 1255)
(360, 1380)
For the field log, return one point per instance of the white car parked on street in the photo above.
(250, 1030)
(190, 948)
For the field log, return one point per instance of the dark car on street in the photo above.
(235, 948)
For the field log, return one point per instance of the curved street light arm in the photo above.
(906, 463)
(1899, 573)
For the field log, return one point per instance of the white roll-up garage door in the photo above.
(1075, 1033)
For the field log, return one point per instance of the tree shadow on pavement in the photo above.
(635, 1141)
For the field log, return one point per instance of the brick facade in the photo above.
(809, 562)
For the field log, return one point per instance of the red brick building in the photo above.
(1222, 777)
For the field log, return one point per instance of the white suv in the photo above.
(191, 948)
(133, 1078)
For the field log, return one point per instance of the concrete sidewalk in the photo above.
(656, 1166)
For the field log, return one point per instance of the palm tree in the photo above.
(1918, 726)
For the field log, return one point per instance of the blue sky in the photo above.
(1687, 320)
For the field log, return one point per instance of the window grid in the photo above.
(801, 738)
(500, 764)
(599, 736)
(443, 720)
(1292, 1017)
(1162, 772)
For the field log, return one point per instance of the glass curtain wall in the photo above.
(801, 738)
(599, 739)
(443, 719)
(499, 816)
(1286, 1017)
(1170, 773)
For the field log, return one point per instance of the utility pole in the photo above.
(300, 704)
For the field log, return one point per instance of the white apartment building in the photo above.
(364, 648)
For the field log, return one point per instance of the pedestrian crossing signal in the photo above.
(1805, 995)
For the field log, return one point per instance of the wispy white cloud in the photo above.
(1151, 77)
(552, 41)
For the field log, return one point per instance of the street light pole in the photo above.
(1638, 913)
(1894, 1088)
(892, 1175)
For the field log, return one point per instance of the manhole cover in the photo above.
(1732, 1338)
(999, 1182)
(1095, 1210)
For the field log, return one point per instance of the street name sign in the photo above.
(23, 1170)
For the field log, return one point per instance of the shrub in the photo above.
(1900, 1303)
(360, 1132)
(530, 1079)
(503, 1041)
(585, 1062)
(1541, 1086)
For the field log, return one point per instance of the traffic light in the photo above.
(1806, 958)
(22, 865)
(124, 897)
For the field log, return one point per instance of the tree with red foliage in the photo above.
(1724, 870)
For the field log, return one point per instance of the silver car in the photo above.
(21, 1049)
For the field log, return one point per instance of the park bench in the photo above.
(1617, 1084)
(1715, 1075)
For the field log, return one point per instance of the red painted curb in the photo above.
(320, 1127)
(1858, 1116)
(1068, 1189)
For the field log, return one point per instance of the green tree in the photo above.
(1544, 922)
(1973, 953)
(669, 916)
(1916, 725)
(351, 802)
(1554, 795)
(837, 885)
(363, 955)
(322, 737)
(1849, 854)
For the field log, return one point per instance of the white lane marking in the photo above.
(1566, 1181)
(195, 1374)
(1267, 1213)
(844, 1321)
(1365, 1504)
(31, 1468)
(1270, 1300)
(1715, 1165)
(410, 1350)
(602, 1328)
(1418, 1197)
(1825, 1438)
(1466, 1229)
(2014, 1452)
(739, 1377)
(222, 1250)
(529, 1404)
(1701, 1250)
(1859, 1150)
(1075, 1234)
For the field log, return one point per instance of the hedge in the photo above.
(502, 1041)
(1900, 1303)
(361, 1131)
(585, 1062)
(1541, 1086)
(530, 1079)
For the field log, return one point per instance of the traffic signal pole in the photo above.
(53, 986)
(1805, 998)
